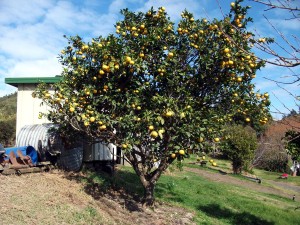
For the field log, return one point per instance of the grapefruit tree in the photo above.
(157, 89)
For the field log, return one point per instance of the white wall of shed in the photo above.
(28, 108)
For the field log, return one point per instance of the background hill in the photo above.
(8, 110)
(282, 126)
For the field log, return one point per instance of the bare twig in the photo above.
(220, 8)
(279, 5)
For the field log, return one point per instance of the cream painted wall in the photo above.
(28, 108)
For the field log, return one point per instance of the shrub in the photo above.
(239, 145)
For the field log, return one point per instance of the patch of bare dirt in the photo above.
(58, 198)
(277, 188)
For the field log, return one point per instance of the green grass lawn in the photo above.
(216, 203)
(213, 202)
(225, 165)
(268, 175)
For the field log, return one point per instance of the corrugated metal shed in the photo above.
(40, 137)
(44, 139)
(99, 152)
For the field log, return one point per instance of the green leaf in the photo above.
(161, 120)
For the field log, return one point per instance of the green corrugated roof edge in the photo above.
(15, 81)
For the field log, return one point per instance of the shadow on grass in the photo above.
(239, 218)
(122, 187)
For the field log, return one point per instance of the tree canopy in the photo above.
(158, 89)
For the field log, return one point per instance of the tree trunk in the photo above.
(148, 199)
(237, 166)
(147, 178)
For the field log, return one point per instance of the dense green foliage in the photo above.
(158, 90)
(8, 110)
(239, 145)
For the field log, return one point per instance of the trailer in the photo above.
(19, 160)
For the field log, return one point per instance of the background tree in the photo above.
(157, 90)
(239, 145)
(292, 138)
(271, 154)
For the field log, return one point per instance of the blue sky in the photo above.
(32, 32)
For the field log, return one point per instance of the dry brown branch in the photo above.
(290, 57)
(291, 60)
(284, 5)
(283, 104)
